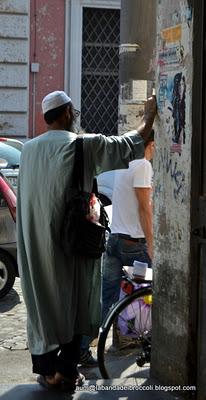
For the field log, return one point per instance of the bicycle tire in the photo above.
(119, 307)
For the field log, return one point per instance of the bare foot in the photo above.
(55, 379)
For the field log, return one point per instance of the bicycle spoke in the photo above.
(132, 339)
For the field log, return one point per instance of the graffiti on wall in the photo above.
(172, 89)
(170, 166)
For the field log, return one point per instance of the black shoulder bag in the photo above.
(80, 235)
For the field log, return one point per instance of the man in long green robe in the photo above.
(62, 294)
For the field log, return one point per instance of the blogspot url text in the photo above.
(164, 388)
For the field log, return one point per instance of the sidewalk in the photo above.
(100, 389)
(18, 383)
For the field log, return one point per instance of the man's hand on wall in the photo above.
(150, 111)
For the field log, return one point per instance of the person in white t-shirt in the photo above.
(131, 236)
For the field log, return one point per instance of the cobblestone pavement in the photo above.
(13, 320)
(15, 365)
(13, 337)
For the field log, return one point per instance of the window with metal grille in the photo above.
(100, 70)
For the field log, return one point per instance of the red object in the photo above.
(9, 196)
(127, 287)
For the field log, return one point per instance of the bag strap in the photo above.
(78, 171)
(95, 187)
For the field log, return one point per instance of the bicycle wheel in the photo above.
(132, 317)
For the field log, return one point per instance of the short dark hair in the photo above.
(53, 115)
(149, 139)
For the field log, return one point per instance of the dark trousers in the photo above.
(64, 360)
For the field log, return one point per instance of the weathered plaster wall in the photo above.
(131, 104)
(172, 163)
(47, 50)
(14, 58)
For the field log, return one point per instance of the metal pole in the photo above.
(137, 38)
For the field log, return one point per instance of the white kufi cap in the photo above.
(54, 100)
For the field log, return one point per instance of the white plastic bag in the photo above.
(136, 319)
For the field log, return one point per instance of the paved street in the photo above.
(15, 365)
(16, 378)
(13, 320)
(13, 343)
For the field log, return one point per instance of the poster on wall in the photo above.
(171, 96)
(172, 91)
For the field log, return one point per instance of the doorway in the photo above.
(92, 62)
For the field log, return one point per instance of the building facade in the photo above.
(73, 45)
(14, 67)
(69, 45)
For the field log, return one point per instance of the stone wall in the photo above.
(172, 165)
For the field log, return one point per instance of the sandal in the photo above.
(42, 380)
(62, 386)
(80, 379)
(73, 382)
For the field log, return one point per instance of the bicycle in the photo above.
(132, 316)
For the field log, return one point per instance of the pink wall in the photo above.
(47, 46)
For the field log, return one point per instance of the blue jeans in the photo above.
(119, 252)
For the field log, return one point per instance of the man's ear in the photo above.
(67, 114)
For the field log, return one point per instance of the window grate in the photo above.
(100, 70)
